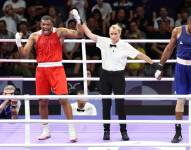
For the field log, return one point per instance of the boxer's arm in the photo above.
(69, 33)
(25, 50)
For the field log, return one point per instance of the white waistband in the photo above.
(50, 64)
(183, 62)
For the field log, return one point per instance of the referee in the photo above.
(114, 54)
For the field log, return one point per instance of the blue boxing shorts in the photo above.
(183, 79)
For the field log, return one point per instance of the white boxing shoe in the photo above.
(44, 135)
(72, 133)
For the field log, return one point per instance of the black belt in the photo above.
(113, 72)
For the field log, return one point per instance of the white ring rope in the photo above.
(79, 61)
(90, 79)
(109, 144)
(96, 121)
(97, 97)
(90, 41)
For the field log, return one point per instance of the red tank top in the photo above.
(48, 48)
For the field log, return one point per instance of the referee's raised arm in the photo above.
(84, 27)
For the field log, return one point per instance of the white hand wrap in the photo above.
(158, 74)
(76, 16)
(18, 39)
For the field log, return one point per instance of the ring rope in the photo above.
(27, 121)
(89, 79)
(109, 144)
(90, 41)
(80, 61)
(97, 97)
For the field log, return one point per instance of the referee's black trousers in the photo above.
(113, 81)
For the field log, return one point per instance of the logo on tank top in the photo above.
(181, 42)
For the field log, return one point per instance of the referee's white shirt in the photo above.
(115, 58)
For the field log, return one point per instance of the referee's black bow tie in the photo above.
(113, 45)
(80, 110)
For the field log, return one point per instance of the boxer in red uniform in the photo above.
(50, 74)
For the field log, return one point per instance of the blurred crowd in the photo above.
(139, 19)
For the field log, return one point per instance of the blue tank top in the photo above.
(184, 45)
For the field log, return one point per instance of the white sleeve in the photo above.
(101, 42)
(98, 43)
(131, 51)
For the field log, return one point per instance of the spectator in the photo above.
(10, 18)
(35, 10)
(136, 32)
(163, 33)
(121, 19)
(6, 48)
(141, 18)
(19, 6)
(186, 4)
(82, 107)
(105, 9)
(123, 4)
(56, 16)
(9, 108)
(182, 19)
(96, 14)
(81, 5)
(163, 16)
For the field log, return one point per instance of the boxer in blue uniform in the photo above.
(181, 38)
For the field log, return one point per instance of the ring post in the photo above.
(84, 66)
(27, 125)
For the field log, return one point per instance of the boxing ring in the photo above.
(146, 132)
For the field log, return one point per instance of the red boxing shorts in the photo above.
(51, 78)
